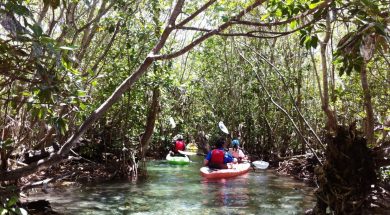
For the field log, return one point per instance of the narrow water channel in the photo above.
(173, 189)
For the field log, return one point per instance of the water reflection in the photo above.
(226, 192)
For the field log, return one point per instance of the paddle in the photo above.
(172, 122)
(186, 153)
(260, 164)
(223, 127)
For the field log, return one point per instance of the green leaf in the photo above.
(47, 40)
(314, 5)
(81, 93)
(41, 113)
(74, 71)
(265, 16)
(293, 24)
(65, 64)
(37, 30)
(279, 12)
(18, 9)
(314, 41)
(61, 125)
(26, 93)
(307, 42)
(371, 5)
(82, 106)
(225, 18)
(12, 201)
(336, 61)
(349, 70)
(289, 2)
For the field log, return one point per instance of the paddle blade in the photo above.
(223, 127)
(186, 153)
(260, 164)
(172, 122)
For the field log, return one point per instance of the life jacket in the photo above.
(179, 145)
(217, 156)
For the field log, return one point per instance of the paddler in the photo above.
(179, 145)
(236, 151)
(218, 158)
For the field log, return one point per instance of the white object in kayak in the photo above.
(223, 127)
(261, 164)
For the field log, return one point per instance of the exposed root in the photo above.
(348, 179)
(300, 167)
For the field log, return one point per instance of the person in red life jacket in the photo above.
(218, 158)
(179, 145)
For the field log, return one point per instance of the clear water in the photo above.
(173, 189)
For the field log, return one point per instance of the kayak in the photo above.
(177, 160)
(238, 169)
(192, 147)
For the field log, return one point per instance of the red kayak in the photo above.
(238, 169)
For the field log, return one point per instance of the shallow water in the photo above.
(173, 189)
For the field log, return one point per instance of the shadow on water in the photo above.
(173, 189)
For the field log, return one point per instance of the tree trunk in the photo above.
(369, 121)
(299, 105)
(151, 121)
(332, 122)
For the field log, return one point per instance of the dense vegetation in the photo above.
(106, 78)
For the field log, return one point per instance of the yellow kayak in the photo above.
(192, 147)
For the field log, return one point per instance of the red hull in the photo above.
(238, 169)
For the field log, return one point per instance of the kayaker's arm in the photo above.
(207, 159)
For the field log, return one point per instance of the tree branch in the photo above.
(192, 16)
(209, 34)
(252, 33)
(97, 18)
(108, 47)
(260, 24)
(248, 34)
